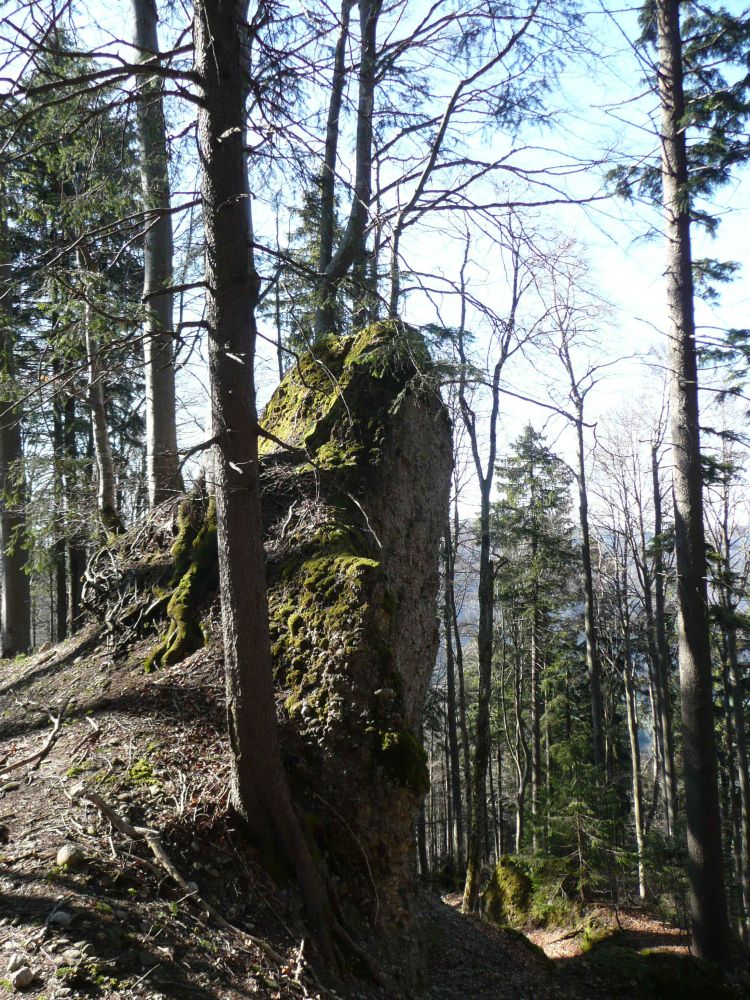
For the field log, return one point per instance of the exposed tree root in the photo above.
(81, 793)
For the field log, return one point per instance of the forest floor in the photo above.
(91, 910)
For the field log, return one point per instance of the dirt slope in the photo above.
(113, 923)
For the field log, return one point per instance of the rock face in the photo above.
(355, 474)
(356, 507)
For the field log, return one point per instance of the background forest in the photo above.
(552, 195)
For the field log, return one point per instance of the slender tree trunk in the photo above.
(521, 754)
(259, 787)
(589, 611)
(424, 864)
(635, 769)
(106, 492)
(76, 547)
(61, 528)
(482, 734)
(731, 796)
(708, 905)
(462, 726)
(330, 158)
(455, 768)
(664, 658)
(536, 723)
(352, 240)
(733, 703)
(162, 459)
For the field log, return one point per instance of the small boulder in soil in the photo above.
(21, 978)
(70, 856)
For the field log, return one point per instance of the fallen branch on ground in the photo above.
(38, 757)
(81, 793)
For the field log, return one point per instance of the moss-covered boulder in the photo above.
(355, 469)
(355, 474)
(506, 898)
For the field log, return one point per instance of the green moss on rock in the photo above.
(402, 757)
(507, 896)
(322, 403)
(196, 575)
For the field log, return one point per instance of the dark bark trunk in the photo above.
(162, 459)
(664, 658)
(589, 611)
(352, 240)
(259, 786)
(708, 906)
(16, 589)
(452, 710)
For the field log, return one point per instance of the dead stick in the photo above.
(157, 849)
(39, 756)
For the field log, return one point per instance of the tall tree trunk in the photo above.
(16, 584)
(76, 546)
(459, 662)
(635, 769)
(259, 786)
(162, 459)
(482, 733)
(15, 609)
(61, 527)
(351, 244)
(664, 658)
(452, 709)
(105, 466)
(732, 687)
(705, 864)
(333, 130)
(536, 720)
(589, 611)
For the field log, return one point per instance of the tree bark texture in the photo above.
(162, 459)
(708, 906)
(352, 240)
(259, 786)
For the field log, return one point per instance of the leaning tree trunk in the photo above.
(708, 905)
(259, 786)
(162, 460)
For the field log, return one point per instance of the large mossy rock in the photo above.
(355, 500)
(506, 898)
(355, 470)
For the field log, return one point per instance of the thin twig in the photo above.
(39, 756)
